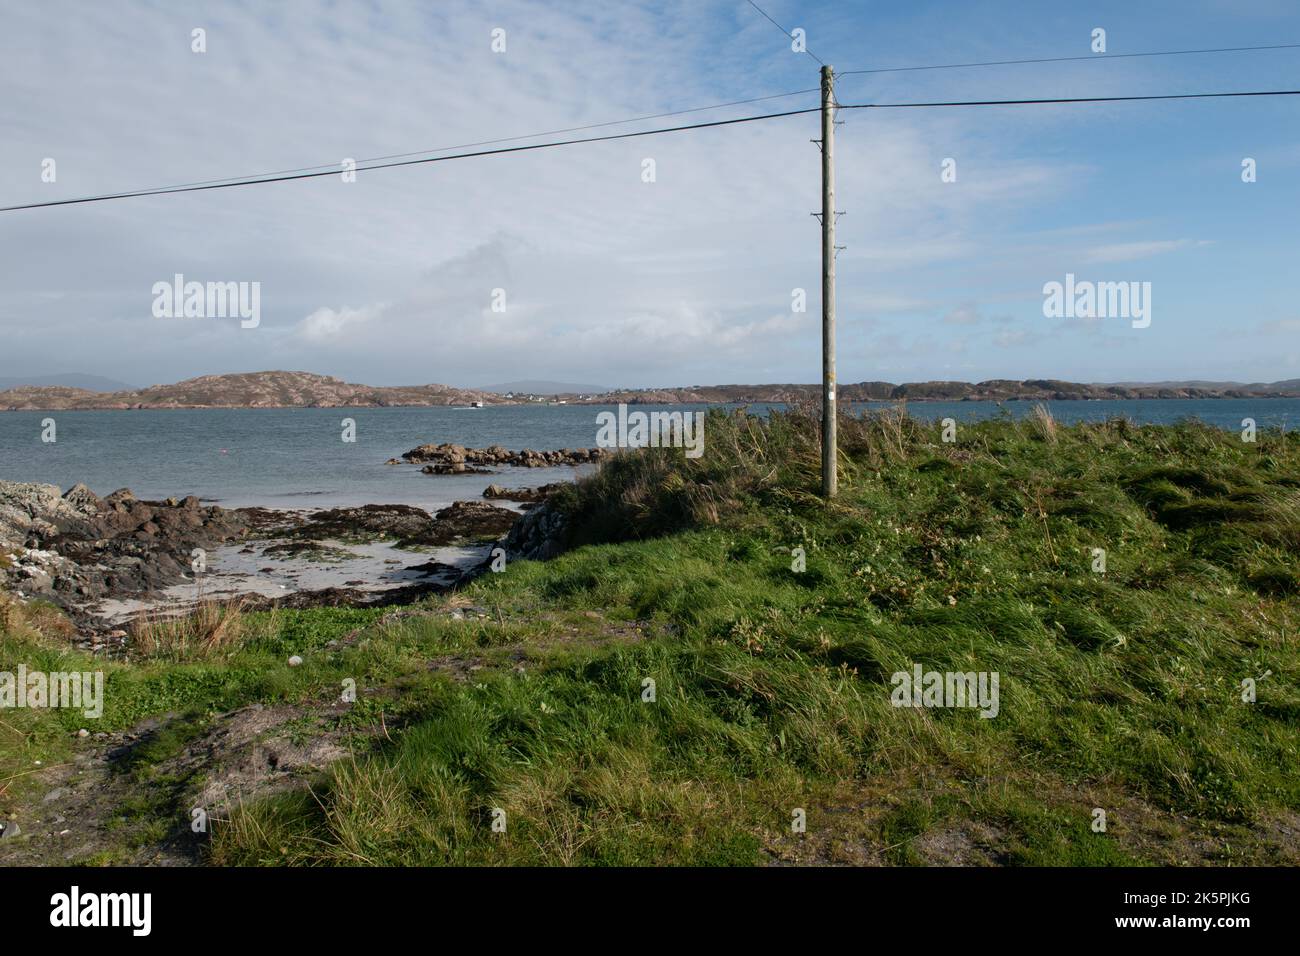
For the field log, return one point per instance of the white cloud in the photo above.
(330, 326)
(389, 279)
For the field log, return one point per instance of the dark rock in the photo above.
(539, 534)
(525, 495)
(83, 499)
(443, 459)
(410, 527)
(454, 468)
(465, 521)
(436, 569)
(367, 522)
(307, 550)
(79, 547)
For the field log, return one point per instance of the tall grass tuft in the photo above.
(211, 628)
(1044, 424)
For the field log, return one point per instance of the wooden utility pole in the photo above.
(829, 476)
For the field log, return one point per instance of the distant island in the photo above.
(91, 383)
(278, 389)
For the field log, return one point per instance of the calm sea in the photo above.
(295, 458)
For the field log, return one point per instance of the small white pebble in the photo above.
(83, 732)
(295, 661)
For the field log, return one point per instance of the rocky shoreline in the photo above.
(77, 547)
(80, 551)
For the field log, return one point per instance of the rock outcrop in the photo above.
(462, 521)
(472, 520)
(540, 534)
(528, 496)
(449, 459)
(78, 546)
(402, 522)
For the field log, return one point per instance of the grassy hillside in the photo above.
(524, 698)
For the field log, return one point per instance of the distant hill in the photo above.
(90, 383)
(1291, 384)
(246, 390)
(994, 390)
(308, 390)
(540, 387)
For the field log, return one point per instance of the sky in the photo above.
(566, 264)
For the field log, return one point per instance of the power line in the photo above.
(333, 170)
(334, 167)
(1067, 59)
(1076, 99)
(222, 184)
(785, 31)
(698, 109)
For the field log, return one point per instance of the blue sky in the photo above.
(615, 281)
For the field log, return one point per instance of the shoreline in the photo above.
(107, 560)
(813, 392)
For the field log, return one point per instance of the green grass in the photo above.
(1119, 690)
